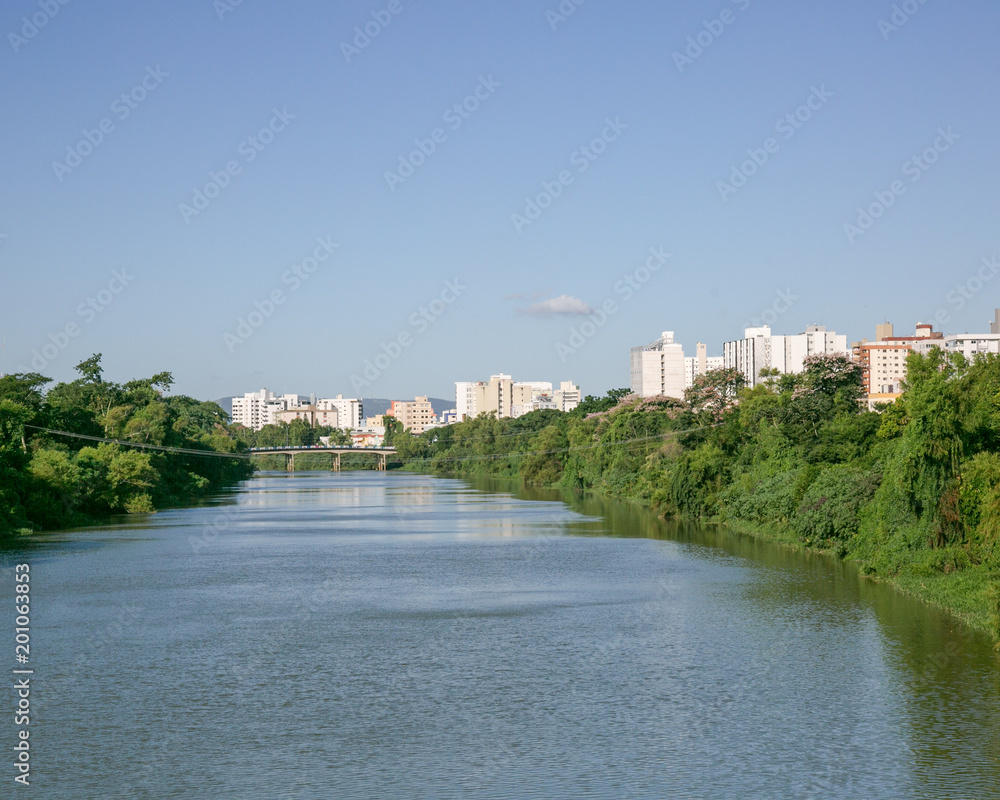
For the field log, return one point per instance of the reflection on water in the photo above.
(366, 635)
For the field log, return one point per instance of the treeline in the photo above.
(911, 493)
(50, 481)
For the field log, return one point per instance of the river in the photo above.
(373, 635)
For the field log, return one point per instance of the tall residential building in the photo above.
(465, 400)
(415, 416)
(256, 409)
(567, 396)
(759, 350)
(884, 361)
(972, 345)
(350, 410)
(700, 364)
(658, 368)
(504, 397)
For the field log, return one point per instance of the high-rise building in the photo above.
(658, 368)
(416, 415)
(502, 396)
(567, 396)
(350, 410)
(884, 361)
(759, 350)
(700, 364)
(256, 409)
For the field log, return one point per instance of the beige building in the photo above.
(311, 415)
(884, 360)
(415, 416)
(658, 368)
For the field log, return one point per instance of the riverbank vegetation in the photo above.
(50, 481)
(910, 493)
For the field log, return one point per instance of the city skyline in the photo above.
(364, 183)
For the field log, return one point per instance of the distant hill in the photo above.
(374, 406)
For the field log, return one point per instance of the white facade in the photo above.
(972, 345)
(256, 409)
(658, 368)
(350, 410)
(759, 350)
(567, 396)
(700, 364)
(465, 399)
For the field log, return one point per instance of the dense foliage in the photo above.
(911, 493)
(50, 481)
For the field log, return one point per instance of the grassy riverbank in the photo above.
(50, 481)
(910, 495)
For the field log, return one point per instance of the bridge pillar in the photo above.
(335, 463)
(381, 462)
(290, 462)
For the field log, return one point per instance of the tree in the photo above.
(715, 391)
(393, 427)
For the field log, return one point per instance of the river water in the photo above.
(373, 635)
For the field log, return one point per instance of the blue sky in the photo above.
(338, 120)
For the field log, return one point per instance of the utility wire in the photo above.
(184, 450)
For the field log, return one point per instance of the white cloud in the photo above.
(563, 304)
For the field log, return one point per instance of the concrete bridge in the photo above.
(335, 453)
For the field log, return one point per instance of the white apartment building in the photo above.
(972, 345)
(759, 350)
(567, 396)
(350, 410)
(700, 364)
(658, 368)
(256, 409)
(502, 396)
